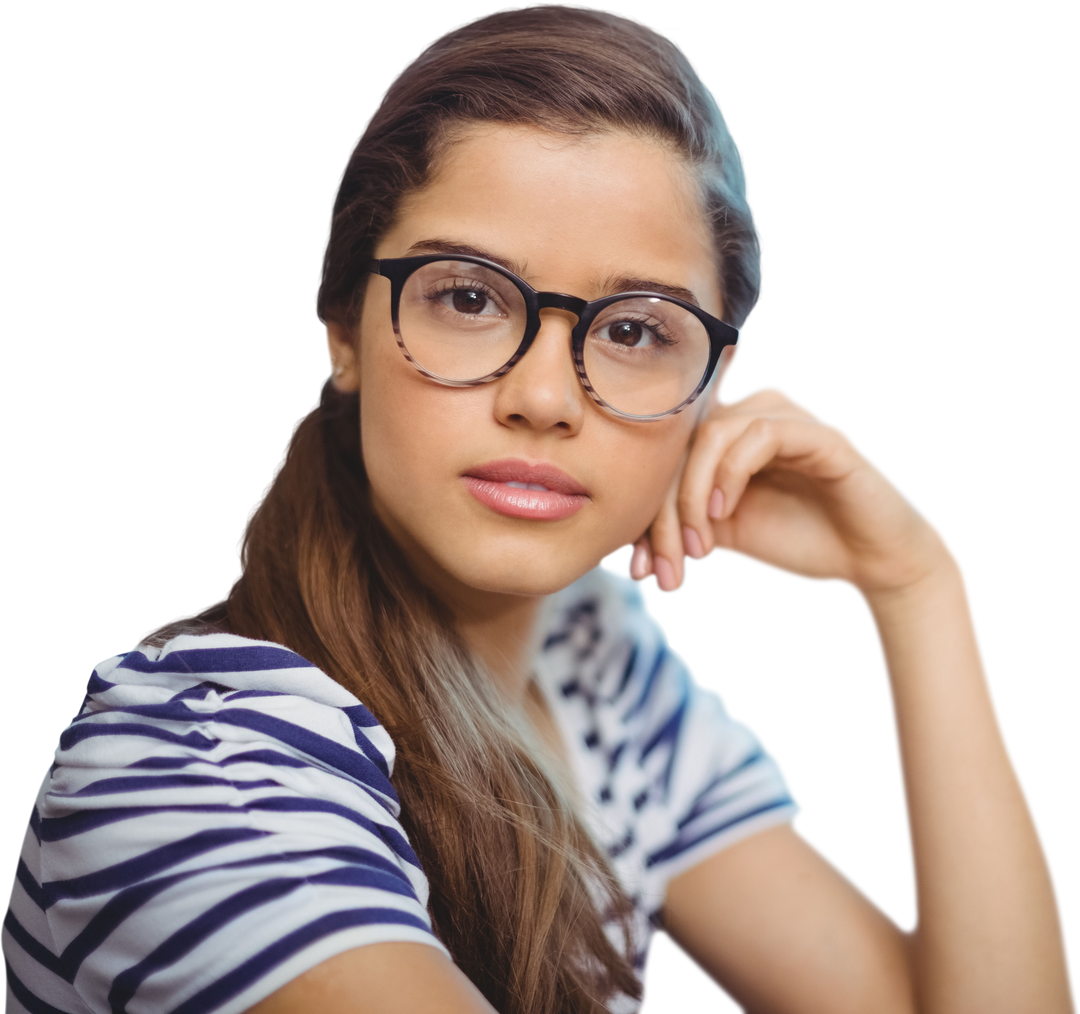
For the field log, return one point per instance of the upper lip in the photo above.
(516, 470)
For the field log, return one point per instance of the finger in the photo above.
(804, 447)
(665, 539)
(699, 499)
(641, 563)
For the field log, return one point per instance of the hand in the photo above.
(765, 478)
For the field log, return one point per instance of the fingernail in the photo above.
(716, 504)
(639, 562)
(665, 573)
(692, 543)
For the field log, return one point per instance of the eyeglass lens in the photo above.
(461, 321)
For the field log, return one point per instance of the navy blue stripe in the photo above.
(571, 687)
(376, 868)
(240, 695)
(650, 682)
(616, 755)
(236, 981)
(132, 871)
(96, 685)
(167, 763)
(109, 917)
(146, 783)
(172, 710)
(725, 803)
(29, 884)
(189, 936)
(29, 943)
(668, 733)
(628, 671)
(211, 921)
(271, 757)
(297, 804)
(679, 846)
(351, 763)
(343, 853)
(701, 805)
(201, 691)
(245, 658)
(131, 899)
(74, 734)
(35, 821)
(557, 638)
(356, 765)
(627, 840)
(361, 877)
(360, 715)
(59, 828)
(32, 1003)
(370, 751)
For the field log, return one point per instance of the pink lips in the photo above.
(520, 490)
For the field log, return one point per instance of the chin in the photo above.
(530, 572)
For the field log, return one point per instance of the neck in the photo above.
(500, 629)
(501, 633)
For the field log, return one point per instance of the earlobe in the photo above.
(343, 358)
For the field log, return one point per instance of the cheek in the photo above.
(641, 466)
(653, 481)
(403, 431)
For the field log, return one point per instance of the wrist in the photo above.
(927, 581)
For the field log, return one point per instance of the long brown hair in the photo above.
(519, 893)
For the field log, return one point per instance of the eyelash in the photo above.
(657, 328)
(463, 285)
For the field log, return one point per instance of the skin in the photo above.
(768, 918)
(571, 216)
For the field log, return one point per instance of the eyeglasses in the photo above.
(464, 321)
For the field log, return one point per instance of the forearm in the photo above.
(988, 938)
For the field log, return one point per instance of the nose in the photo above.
(542, 392)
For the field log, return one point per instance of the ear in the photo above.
(344, 361)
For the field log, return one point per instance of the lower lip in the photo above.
(535, 504)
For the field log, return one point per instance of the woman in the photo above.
(425, 756)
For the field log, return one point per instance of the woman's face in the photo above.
(588, 216)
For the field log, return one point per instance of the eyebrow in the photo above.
(445, 246)
(610, 286)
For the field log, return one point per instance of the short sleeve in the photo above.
(667, 775)
(203, 839)
(722, 787)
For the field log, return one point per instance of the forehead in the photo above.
(572, 210)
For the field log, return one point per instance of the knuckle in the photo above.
(686, 504)
(761, 429)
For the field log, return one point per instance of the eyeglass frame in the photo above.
(398, 269)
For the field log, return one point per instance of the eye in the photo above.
(469, 299)
(632, 334)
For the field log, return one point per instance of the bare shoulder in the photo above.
(783, 931)
(387, 978)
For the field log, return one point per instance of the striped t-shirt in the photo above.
(221, 816)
